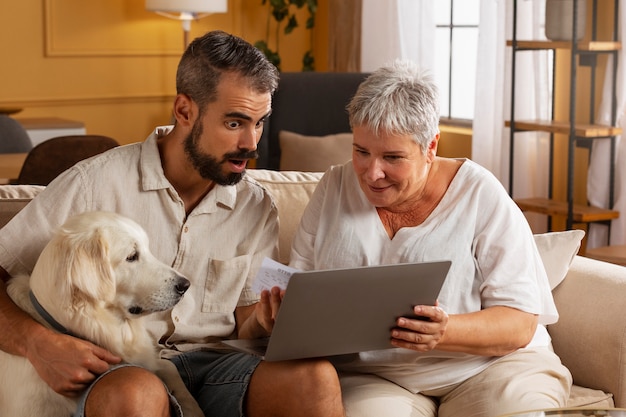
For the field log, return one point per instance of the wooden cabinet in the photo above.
(578, 134)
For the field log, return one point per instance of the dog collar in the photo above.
(46, 316)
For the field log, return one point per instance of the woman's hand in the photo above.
(423, 334)
(493, 331)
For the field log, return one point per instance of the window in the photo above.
(456, 48)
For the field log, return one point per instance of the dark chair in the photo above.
(308, 103)
(53, 156)
(13, 136)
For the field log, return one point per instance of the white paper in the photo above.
(272, 274)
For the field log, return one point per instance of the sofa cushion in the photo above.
(557, 250)
(590, 398)
(14, 198)
(291, 191)
(313, 153)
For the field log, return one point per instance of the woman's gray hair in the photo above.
(399, 99)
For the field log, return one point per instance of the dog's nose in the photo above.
(182, 285)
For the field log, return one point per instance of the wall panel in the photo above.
(110, 63)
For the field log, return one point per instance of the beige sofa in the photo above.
(590, 336)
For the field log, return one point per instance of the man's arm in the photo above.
(66, 363)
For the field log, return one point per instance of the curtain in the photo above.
(598, 174)
(491, 140)
(344, 41)
(397, 29)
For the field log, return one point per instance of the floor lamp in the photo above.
(186, 11)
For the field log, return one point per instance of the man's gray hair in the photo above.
(215, 53)
(399, 99)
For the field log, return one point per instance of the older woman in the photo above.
(485, 350)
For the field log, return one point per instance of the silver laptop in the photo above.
(334, 312)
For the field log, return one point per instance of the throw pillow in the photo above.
(313, 153)
(557, 250)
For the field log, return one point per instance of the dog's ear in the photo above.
(87, 266)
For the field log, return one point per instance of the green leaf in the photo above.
(274, 58)
(280, 14)
(291, 25)
(271, 56)
(310, 22)
(278, 4)
(261, 46)
(308, 62)
(312, 6)
(298, 3)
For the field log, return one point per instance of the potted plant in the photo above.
(283, 13)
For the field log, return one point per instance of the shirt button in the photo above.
(186, 229)
(176, 319)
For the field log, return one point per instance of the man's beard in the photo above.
(207, 165)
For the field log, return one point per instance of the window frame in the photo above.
(451, 26)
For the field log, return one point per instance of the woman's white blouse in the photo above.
(476, 225)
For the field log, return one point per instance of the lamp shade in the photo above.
(188, 6)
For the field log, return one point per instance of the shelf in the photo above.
(582, 213)
(586, 46)
(612, 254)
(553, 126)
(577, 133)
(40, 129)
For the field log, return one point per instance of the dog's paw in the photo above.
(189, 405)
(169, 374)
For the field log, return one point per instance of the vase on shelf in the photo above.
(560, 19)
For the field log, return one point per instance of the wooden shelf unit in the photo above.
(574, 130)
(587, 131)
(613, 254)
(589, 46)
(581, 213)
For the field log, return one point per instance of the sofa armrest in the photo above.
(590, 336)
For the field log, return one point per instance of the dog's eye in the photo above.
(133, 257)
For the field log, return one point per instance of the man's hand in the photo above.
(267, 309)
(67, 364)
(257, 320)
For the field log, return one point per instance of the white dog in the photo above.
(96, 279)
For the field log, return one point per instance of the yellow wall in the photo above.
(110, 63)
(455, 142)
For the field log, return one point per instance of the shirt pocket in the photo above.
(224, 284)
